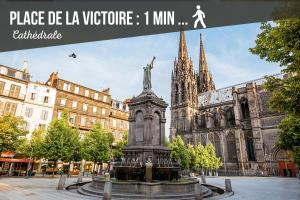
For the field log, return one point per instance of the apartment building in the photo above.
(13, 87)
(38, 106)
(85, 105)
(119, 118)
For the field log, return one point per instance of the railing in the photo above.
(225, 94)
(12, 95)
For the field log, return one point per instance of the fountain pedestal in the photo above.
(146, 142)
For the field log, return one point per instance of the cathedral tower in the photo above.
(184, 93)
(206, 82)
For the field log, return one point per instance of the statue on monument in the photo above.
(147, 75)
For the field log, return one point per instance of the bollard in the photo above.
(107, 191)
(203, 179)
(79, 179)
(61, 182)
(198, 195)
(228, 187)
(107, 176)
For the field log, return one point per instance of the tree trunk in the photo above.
(53, 169)
(93, 171)
(101, 168)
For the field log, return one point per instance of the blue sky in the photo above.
(119, 63)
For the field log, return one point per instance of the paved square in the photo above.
(245, 188)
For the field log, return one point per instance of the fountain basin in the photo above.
(181, 189)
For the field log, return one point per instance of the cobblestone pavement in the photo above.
(37, 189)
(245, 188)
(262, 188)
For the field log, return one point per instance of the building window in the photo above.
(114, 123)
(42, 126)
(84, 107)
(122, 124)
(59, 115)
(250, 146)
(103, 111)
(62, 102)
(86, 93)
(95, 109)
(44, 115)
(72, 119)
(46, 99)
(27, 126)
(28, 112)
(74, 104)
(10, 108)
(93, 120)
(14, 90)
(103, 123)
(96, 96)
(67, 86)
(104, 98)
(76, 90)
(83, 121)
(2, 84)
(245, 109)
(32, 96)
(231, 147)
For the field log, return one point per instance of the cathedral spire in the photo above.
(206, 82)
(202, 59)
(182, 52)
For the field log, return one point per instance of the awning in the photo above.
(25, 160)
(7, 154)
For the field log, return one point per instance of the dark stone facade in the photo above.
(235, 119)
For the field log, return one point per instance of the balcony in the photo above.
(7, 93)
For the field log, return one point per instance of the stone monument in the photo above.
(146, 170)
(146, 154)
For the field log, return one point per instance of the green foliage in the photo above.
(214, 161)
(12, 133)
(117, 151)
(289, 137)
(61, 140)
(211, 155)
(280, 42)
(202, 154)
(96, 145)
(193, 156)
(34, 147)
(180, 152)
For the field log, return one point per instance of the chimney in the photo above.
(25, 66)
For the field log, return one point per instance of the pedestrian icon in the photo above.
(200, 16)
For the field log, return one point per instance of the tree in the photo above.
(96, 145)
(214, 161)
(61, 140)
(202, 161)
(12, 133)
(34, 147)
(180, 152)
(193, 156)
(117, 151)
(280, 42)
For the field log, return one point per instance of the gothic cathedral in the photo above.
(235, 119)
